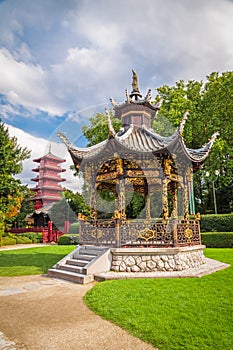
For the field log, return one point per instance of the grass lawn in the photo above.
(31, 261)
(174, 313)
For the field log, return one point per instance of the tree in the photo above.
(211, 108)
(97, 131)
(26, 208)
(11, 191)
(68, 208)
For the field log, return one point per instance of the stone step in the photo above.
(71, 276)
(72, 268)
(89, 251)
(77, 262)
(86, 257)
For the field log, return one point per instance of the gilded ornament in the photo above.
(188, 234)
(147, 234)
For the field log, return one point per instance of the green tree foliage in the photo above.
(68, 208)
(26, 208)
(211, 108)
(77, 203)
(98, 130)
(11, 191)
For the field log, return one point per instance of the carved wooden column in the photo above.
(174, 214)
(121, 198)
(185, 198)
(93, 195)
(148, 214)
(174, 200)
(165, 200)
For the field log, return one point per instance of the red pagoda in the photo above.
(48, 189)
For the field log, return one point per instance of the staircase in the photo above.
(80, 265)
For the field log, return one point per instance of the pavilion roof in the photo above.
(142, 139)
(137, 135)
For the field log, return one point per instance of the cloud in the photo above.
(60, 57)
(25, 84)
(40, 147)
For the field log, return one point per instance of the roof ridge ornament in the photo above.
(65, 140)
(111, 132)
(183, 121)
(127, 96)
(157, 106)
(113, 102)
(135, 85)
(213, 138)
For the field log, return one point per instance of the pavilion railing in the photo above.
(141, 233)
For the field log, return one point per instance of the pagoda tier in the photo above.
(48, 189)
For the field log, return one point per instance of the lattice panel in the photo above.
(188, 232)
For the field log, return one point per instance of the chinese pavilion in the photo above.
(137, 159)
(48, 189)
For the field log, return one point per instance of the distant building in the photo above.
(48, 188)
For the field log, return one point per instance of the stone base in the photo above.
(157, 259)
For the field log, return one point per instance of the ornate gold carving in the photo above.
(119, 167)
(189, 174)
(188, 234)
(198, 216)
(117, 214)
(147, 234)
(81, 216)
(148, 207)
(164, 200)
(167, 167)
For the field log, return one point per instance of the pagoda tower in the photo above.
(48, 188)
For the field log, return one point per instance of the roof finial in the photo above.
(112, 132)
(50, 148)
(183, 121)
(135, 92)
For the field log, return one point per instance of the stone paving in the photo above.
(42, 313)
(49, 314)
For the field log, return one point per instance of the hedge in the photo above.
(217, 222)
(217, 240)
(23, 240)
(68, 240)
(7, 241)
(35, 237)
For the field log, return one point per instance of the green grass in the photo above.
(172, 314)
(31, 261)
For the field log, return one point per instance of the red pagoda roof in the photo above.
(50, 156)
(51, 177)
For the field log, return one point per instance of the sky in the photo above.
(61, 60)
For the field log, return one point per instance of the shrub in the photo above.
(217, 222)
(74, 228)
(23, 240)
(217, 240)
(7, 241)
(68, 240)
(35, 237)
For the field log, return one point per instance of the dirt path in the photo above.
(40, 313)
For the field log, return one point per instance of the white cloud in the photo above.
(40, 147)
(63, 56)
(25, 84)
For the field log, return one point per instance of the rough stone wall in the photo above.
(149, 263)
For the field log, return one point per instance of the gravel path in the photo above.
(41, 313)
